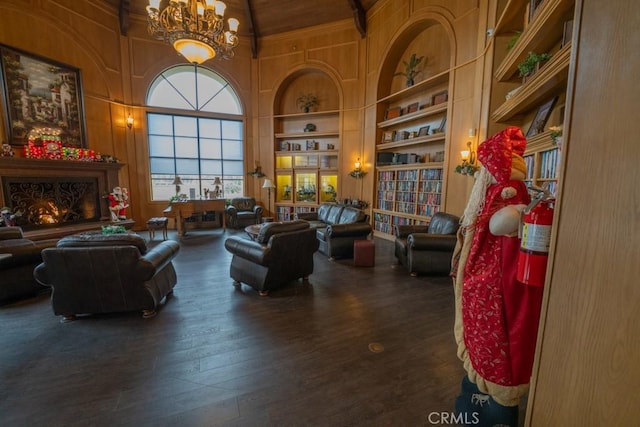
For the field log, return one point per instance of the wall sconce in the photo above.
(468, 165)
(130, 121)
(357, 172)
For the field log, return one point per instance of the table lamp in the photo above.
(177, 182)
(217, 192)
(268, 185)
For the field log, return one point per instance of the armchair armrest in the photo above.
(248, 249)
(41, 275)
(258, 209)
(434, 242)
(403, 231)
(11, 233)
(158, 257)
(307, 216)
(355, 229)
(232, 209)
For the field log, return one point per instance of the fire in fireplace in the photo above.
(50, 201)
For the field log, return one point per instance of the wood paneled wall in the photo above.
(587, 371)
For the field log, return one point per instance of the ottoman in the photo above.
(158, 223)
(364, 253)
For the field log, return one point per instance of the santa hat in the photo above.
(503, 152)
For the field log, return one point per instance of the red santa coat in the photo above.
(497, 316)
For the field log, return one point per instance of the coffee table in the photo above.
(253, 230)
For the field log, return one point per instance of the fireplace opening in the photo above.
(52, 202)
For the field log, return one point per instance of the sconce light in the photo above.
(217, 191)
(468, 165)
(130, 121)
(177, 182)
(357, 172)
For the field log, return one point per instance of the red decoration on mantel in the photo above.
(50, 147)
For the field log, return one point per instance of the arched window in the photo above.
(198, 145)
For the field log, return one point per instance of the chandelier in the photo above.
(195, 28)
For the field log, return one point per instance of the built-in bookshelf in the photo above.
(412, 136)
(537, 102)
(406, 195)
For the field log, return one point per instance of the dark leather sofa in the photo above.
(427, 249)
(337, 227)
(95, 273)
(16, 268)
(280, 253)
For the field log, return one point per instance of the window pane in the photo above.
(161, 146)
(186, 126)
(232, 150)
(161, 165)
(210, 149)
(186, 147)
(232, 130)
(159, 124)
(209, 128)
(232, 168)
(162, 94)
(211, 167)
(187, 166)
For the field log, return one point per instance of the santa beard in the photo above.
(477, 197)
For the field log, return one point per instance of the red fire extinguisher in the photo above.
(536, 236)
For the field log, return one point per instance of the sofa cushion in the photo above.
(351, 215)
(323, 212)
(270, 228)
(99, 239)
(333, 217)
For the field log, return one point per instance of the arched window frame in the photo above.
(195, 131)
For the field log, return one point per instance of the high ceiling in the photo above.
(259, 18)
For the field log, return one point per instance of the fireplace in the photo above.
(52, 201)
(57, 196)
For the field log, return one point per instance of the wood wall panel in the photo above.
(587, 369)
(344, 56)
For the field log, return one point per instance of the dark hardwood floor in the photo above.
(353, 347)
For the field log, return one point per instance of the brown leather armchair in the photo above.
(95, 273)
(281, 252)
(243, 211)
(427, 249)
(18, 257)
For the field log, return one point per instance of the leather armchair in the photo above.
(337, 227)
(243, 211)
(18, 257)
(95, 273)
(427, 249)
(281, 252)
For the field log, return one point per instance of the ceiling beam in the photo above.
(359, 16)
(123, 14)
(252, 31)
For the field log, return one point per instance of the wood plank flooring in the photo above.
(216, 355)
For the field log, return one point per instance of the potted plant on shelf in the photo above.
(411, 69)
(531, 64)
(306, 101)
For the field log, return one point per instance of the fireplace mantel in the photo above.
(106, 174)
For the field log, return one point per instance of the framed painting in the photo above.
(41, 96)
(542, 115)
(423, 131)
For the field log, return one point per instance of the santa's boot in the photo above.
(481, 410)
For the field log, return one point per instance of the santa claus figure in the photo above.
(118, 203)
(496, 316)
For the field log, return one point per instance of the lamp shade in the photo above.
(217, 181)
(267, 183)
(177, 181)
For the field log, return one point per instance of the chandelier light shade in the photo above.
(195, 28)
